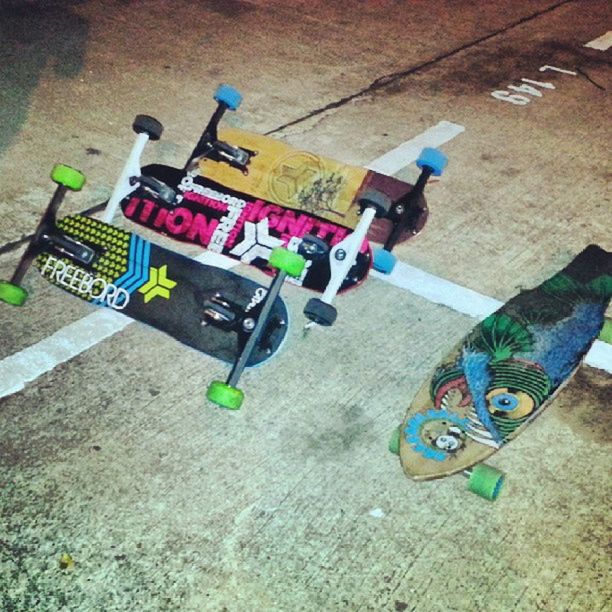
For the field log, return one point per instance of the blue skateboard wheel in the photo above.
(229, 96)
(384, 261)
(434, 159)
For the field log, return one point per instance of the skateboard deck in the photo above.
(236, 224)
(300, 180)
(506, 371)
(193, 302)
(282, 195)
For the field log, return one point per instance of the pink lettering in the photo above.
(148, 206)
(178, 220)
(162, 213)
(130, 209)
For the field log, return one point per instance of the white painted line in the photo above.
(600, 356)
(68, 342)
(603, 43)
(440, 291)
(392, 162)
(469, 302)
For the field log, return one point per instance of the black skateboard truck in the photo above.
(47, 237)
(287, 263)
(407, 210)
(227, 394)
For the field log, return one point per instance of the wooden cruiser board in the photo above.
(280, 174)
(506, 371)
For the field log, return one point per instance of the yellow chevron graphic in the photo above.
(158, 284)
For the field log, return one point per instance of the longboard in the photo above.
(173, 293)
(504, 374)
(242, 194)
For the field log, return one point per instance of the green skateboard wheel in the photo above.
(68, 177)
(225, 395)
(287, 261)
(605, 335)
(485, 481)
(12, 294)
(394, 441)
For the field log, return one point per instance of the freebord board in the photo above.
(210, 309)
(504, 374)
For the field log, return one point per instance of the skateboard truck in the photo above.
(148, 128)
(155, 187)
(210, 146)
(47, 237)
(226, 394)
(231, 317)
(342, 257)
(407, 211)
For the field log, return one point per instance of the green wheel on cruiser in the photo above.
(485, 481)
(12, 294)
(287, 261)
(605, 335)
(225, 395)
(394, 441)
(68, 177)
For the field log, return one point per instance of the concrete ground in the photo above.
(165, 502)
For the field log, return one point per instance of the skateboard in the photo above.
(207, 308)
(504, 374)
(242, 194)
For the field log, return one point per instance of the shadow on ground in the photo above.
(35, 35)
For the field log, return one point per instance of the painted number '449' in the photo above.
(527, 86)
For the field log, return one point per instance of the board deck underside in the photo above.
(506, 371)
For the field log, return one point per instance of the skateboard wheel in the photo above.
(434, 159)
(394, 441)
(12, 294)
(145, 124)
(287, 261)
(379, 201)
(605, 335)
(320, 312)
(225, 395)
(229, 96)
(68, 177)
(486, 481)
(384, 261)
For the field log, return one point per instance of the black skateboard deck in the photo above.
(237, 224)
(506, 371)
(202, 306)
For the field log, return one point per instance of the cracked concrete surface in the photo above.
(293, 503)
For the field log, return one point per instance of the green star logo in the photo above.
(158, 284)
